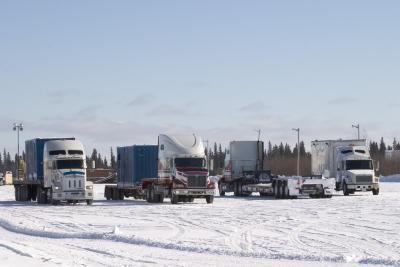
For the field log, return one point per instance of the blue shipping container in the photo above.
(135, 163)
(34, 157)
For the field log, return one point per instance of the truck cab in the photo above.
(64, 168)
(355, 170)
(183, 161)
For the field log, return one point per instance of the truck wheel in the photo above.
(375, 192)
(107, 194)
(115, 194)
(191, 199)
(346, 191)
(160, 198)
(120, 194)
(174, 199)
(283, 188)
(337, 186)
(89, 201)
(236, 189)
(41, 196)
(23, 193)
(221, 192)
(210, 199)
(279, 189)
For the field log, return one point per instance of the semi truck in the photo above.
(176, 168)
(55, 172)
(348, 162)
(244, 174)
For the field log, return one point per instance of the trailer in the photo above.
(244, 174)
(176, 168)
(55, 172)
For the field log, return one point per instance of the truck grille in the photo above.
(364, 179)
(197, 181)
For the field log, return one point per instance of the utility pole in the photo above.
(358, 130)
(18, 128)
(298, 150)
(259, 134)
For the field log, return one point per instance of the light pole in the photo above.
(18, 128)
(298, 150)
(358, 130)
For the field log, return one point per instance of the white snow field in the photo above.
(358, 230)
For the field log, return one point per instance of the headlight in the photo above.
(56, 187)
(89, 187)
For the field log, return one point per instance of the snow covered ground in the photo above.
(358, 230)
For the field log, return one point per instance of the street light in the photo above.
(298, 150)
(358, 130)
(18, 128)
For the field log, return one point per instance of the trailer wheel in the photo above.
(346, 191)
(174, 199)
(375, 192)
(89, 201)
(160, 198)
(210, 199)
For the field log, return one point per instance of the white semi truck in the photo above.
(176, 168)
(348, 162)
(55, 172)
(244, 174)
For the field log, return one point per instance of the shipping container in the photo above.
(135, 163)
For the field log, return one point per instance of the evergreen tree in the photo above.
(113, 162)
(382, 148)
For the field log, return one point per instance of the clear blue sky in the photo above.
(116, 73)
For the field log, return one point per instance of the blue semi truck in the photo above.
(55, 172)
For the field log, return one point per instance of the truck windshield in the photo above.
(190, 162)
(70, 164)
(359, 165)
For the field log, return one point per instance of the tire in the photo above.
(346, 191)
(283, 188)
(263, 194)
(89, 201)
(236, 189)
(120, 194)
(16, 191)
(185, 199)
(375, 192)
(209, 199)
(221, 192)
(41, 196)
(337, 186)
(191, 199)
(160, 198)
(279, 190)
(115, 194)
(23, 193)
(107, 193)
(174, 199)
